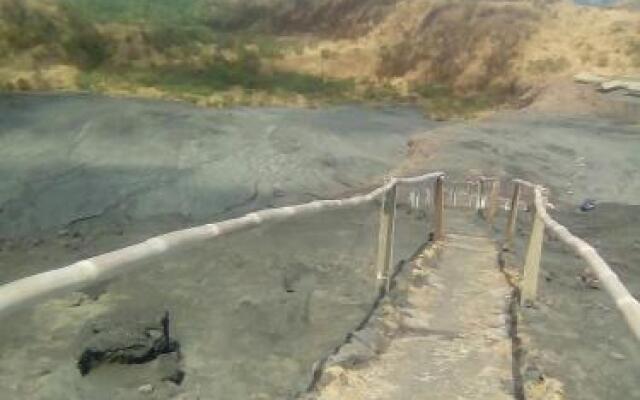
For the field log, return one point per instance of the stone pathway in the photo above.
(453, 340)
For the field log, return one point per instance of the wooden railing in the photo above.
(87, 272)
(625, 302)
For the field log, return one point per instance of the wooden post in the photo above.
(385, 237)
(513, 215)
(529, 288)
(454, 196)
(439, 210)
(481, 195)
(493, 200)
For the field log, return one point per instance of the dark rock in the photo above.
(134, 340)
(167, 368)
(177, 376)
(588, 205)
(589, 279)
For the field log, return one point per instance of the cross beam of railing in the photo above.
(33, 289)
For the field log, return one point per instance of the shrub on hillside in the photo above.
(333, 18)
(23, 27)
(86, 47)
(468, 45)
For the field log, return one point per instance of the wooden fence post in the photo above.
(483, 196)
(439, 209)
(454, 196)
(385, 237)
(529, 288)
(513, 215)
(492, 200)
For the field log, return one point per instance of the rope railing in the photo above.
(33, 289)
(625, 302)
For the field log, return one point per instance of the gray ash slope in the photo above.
(82, 175)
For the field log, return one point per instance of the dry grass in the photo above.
(482, 52)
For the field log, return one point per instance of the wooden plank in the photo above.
(439, 210)
(529, 288)
(492, 206)
(513, 215)
(385, 237)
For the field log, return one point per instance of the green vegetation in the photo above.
(219, 52)
(441, 102)
(220, 15)
(245, 73)
(25, 28)
(159, 12)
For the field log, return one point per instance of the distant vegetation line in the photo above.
(454, 57)
(171, 12)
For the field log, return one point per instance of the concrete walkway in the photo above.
(453, 341)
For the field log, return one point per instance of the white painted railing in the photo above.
(30, 290)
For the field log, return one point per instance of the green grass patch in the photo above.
(441, 102)
(161, 12)
(245, 73)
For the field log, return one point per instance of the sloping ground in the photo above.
(478, 45)
(571, 142)
(484, 52)
(83, 175)
(453, 335)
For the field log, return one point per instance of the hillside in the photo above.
(455, 57)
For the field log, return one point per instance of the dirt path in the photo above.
(453, 341)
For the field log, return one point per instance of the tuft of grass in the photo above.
(244, 72)
(633, 47)
(441, 102)
(160, 12)
(548, 65)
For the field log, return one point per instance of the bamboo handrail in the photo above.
(625, 302)
(30, 290)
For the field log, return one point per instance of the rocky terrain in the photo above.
(83, 175)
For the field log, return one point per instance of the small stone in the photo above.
(177, 376)
(78, 299)
(589, 279)
(588, 205)
(145, 389)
